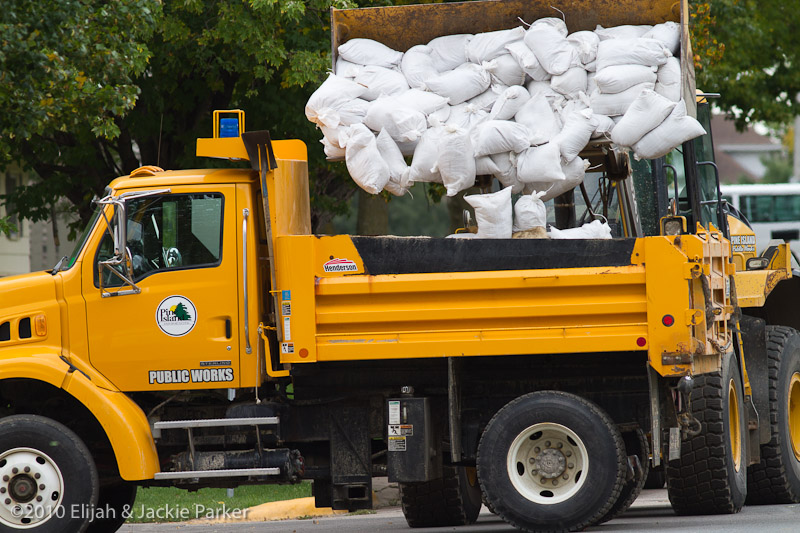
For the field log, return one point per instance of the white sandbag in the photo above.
(591, 84)
(617, 104)
(354, 111)
(408, 148)
(543, 88)
(364, 162)
(426, 156)
(617, 78)
(369, 52)
(526, 59)
(668, 33)
(398, 169)
(465, 235)
(403, 123)
(449, 51)
(504, 69)
(639, 51)
(493, 213)
(592, 230)
(485, 101)
(487, 46)
(554, 22)
(439, 116)
(456, 164)
(507, 171)
(346, 69)
(423, 101)
(323, 105)
(626, 31)
(496, 136)
(676, 129)
(572, 82)
(540, 119)
(591, 67)
(668, 82)
(645, 113)
(530, 212)
(541, 164)
(381, 81)
(552, 49)
(585, 42)
(466, 116)
(605, 125)
(509, 103)
(417, 66)
(335, 136)
(333, 152)
(460, 84)
(576, 133)
(485, 166)
(574, 173)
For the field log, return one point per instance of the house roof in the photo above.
(729, 141)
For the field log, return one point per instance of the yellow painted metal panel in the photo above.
(753, 286)
(295, 273)
(123, 421)
(291, 198)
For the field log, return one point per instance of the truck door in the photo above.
(180, 331)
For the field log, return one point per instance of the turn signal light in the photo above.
(40, 325)
(668, 320)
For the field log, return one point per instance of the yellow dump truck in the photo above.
(201, 335)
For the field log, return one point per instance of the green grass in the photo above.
(166, 504)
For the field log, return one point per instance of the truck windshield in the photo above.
(82, 240)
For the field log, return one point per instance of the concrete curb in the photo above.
(384, 494)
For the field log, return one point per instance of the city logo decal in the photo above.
(340, 265)
(176, 316)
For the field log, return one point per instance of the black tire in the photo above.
(635, 445)
(452, 500)
(561, 434)
(711, 475)
(63, 465)
(114, 505)
(776, 479)
(656, 478)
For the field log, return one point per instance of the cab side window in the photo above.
(170, 232)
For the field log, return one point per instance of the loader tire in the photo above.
(776, 479)
(551, 461)
(452, 500)
(710, 477)
(635, 445)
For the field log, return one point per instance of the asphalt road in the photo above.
(651, 513)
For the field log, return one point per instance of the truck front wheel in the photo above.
(776, 479)
(48, 479)
(710, 477)
(551, 461)
(452, 500)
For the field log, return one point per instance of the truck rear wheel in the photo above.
(776, 479)
(48, 480)
(635, 445)
(452, 500)
(711, 475)
(551, 461)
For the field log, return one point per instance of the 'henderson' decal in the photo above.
(340, 265)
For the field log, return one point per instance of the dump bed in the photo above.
(401, 27)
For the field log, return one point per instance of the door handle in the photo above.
(228, 331)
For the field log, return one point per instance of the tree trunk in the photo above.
(373, 214)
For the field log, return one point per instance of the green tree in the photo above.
(749, 51)
(264, 56)
(181, 312)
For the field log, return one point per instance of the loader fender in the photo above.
(122, 420)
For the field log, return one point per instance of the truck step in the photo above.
(240, 472)
(217, 422)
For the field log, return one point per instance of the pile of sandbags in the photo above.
(518, 104)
